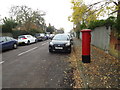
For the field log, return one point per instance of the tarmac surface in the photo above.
(32, 66)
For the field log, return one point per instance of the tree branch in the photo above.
(113, 12)
(115, 3)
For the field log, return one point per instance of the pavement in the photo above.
(102, 72)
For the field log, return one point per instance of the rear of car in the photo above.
(26, 39)
(22, 39)
(40, 36)
(8, 43)
(60, 42)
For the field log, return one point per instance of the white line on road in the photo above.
(44, 43)
(27, 51)
(2, 62)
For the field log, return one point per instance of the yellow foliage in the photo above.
(81, 13)
(85, 14)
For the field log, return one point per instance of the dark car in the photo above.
(7, 43)
(60, 42)
(40, 36)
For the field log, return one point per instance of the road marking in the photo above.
(2, 62)
(27, 51)
(44, 43)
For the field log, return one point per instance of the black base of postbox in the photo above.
(86, 59)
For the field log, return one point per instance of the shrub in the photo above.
(111, 21)
(97, 23)
(16, 33)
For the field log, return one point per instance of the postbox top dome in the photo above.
(86, 30)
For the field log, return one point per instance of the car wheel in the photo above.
(50, 51)
(28, 42)
(69, 51)
(14, 46)
(36, 40)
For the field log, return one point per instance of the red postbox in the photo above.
(86, 39)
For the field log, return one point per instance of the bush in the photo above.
(33, 32)
(97, 23)
(83, 26)
(111, 21)
(16, 33)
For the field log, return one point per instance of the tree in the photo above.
(50, 29)
(62, 29)
(0, 19)
(87, 13)
(105, 5)
(81, 16)
(26, 16)
(8, 24)
(118, 17)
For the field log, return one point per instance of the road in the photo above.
(32, 66)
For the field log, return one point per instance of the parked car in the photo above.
(8, 43)
(60, 42)
(26, 39)
(51, 36)
(48, 36)
(40, 36)
(71, 38)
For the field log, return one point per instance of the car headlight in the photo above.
(68, 44)
(51, 43)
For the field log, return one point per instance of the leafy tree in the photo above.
(26, 16)
(106, 7)
(0, 19)
(50, 29)
(62, 29)
(8, 24)
(81, 15)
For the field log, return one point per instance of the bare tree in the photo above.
(25, 15)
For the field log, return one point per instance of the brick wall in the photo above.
(114, 45)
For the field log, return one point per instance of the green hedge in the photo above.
(16, 33)
(111, 21)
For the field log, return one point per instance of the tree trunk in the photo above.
(118, 18)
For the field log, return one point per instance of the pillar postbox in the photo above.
(86, 39)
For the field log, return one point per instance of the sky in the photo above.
(57, 11)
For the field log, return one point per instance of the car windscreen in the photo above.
(21, 37)
(60, 37)
(42, 34)
(2, 39)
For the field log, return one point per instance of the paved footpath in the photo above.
(102, 72)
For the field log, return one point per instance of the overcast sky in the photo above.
(57, 11)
